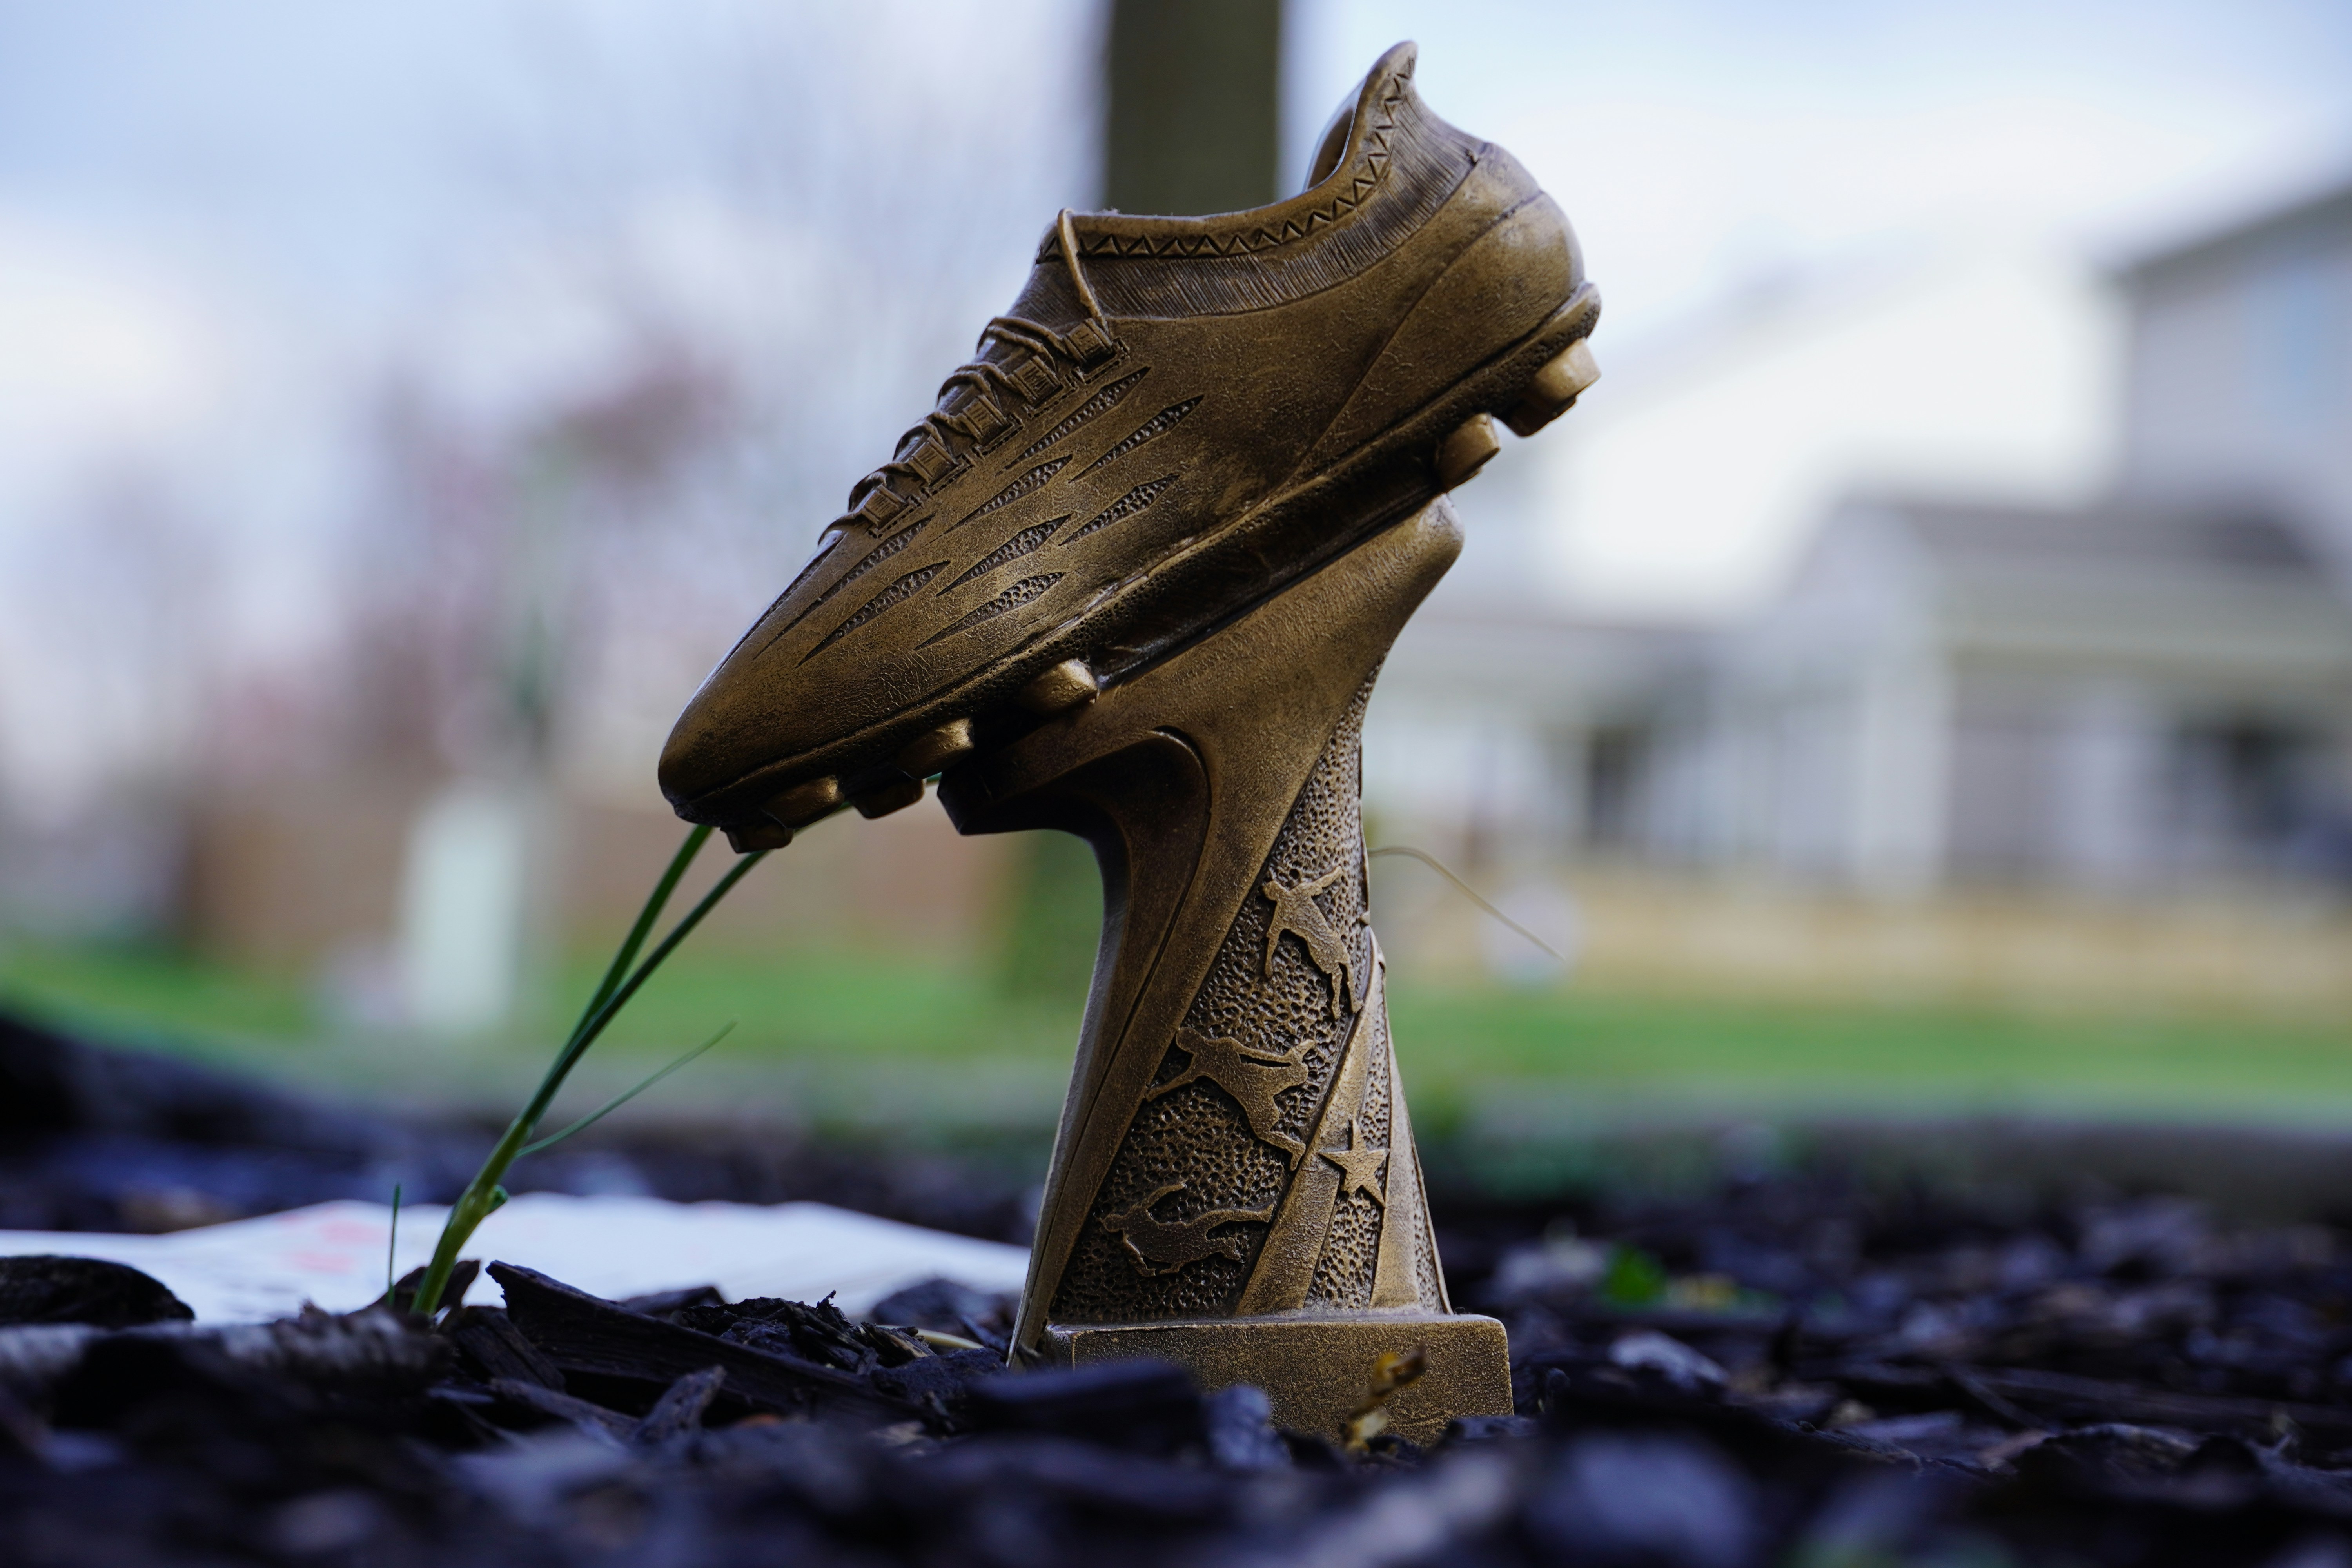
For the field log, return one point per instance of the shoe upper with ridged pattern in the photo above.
(1141, 445)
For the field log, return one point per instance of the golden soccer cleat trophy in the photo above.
(1131, 578)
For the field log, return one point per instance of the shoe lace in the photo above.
(942, 441)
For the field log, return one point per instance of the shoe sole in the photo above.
(1437, 447)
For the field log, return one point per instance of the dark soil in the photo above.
(1803, 1370)
(103, 1140)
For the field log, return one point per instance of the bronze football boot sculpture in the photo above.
(1180, 416)
(1133, 579)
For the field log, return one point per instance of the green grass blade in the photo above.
(610, 1106)
(655, 903)
(595, 1026)
(392, 1246)
(1468, 892)
(483, 1195)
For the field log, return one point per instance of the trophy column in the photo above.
(1235, 1185)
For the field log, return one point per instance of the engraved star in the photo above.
(1359, 1166)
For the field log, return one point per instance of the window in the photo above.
(1616, 764)
(2299, 333)
(2255, 794)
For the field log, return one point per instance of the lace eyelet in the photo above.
(931, 461)
(1035, 378)
(988, 424)
(1090, 344)
(878, 508)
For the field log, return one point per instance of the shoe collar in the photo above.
(1357, 165)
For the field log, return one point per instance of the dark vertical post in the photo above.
(1194, 105)
(1193, 91)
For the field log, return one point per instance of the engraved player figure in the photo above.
(1296, 912)
(1251, 1075)
(1163, 1246)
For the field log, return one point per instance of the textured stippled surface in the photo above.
(1275, 1014)
(1343, 1275)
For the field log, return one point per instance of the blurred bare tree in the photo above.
(764, 242)
(687, 272)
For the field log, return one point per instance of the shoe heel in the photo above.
(1555, 388)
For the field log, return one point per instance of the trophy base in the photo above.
(1316, 1370)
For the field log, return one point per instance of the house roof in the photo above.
(2315, 212)
(2233, 542)
(2209, 593)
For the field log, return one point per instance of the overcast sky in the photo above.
(1697, 142)
(1691, 139)
(202, 202)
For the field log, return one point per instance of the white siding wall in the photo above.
(2240, 376)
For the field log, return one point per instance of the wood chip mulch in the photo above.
(1783, 1374)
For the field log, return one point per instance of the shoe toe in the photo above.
(706, 750)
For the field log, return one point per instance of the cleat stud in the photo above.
(1555, 388)
(890, 797)
(1461, 455)
(941, 747)
(1069, 684)
(804, 803)
(746, 838)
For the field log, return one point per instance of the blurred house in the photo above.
(2088, 743)
(2128, 696)
(2149, 690)
(1543, 703)
(2240, 383)
(2152, 691)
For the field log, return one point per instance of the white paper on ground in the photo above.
(251, 1270)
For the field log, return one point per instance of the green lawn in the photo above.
(1885, 1056)
(151, 995)
(866, 1037)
